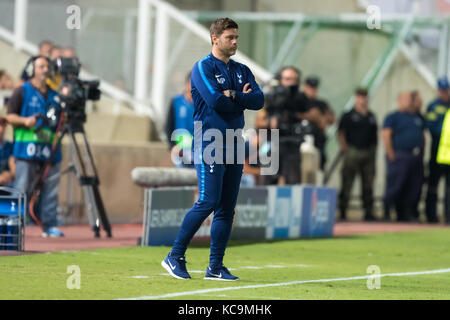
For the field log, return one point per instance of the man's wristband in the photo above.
(232, 94)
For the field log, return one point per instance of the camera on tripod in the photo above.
(73, 92)
(71, 99)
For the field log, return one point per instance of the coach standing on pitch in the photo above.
(221, 90)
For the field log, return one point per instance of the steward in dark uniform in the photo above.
(358, 141)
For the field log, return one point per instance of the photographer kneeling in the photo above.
(33, 141)
(286, 109)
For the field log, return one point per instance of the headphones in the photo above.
(296, 70)
(29, 68)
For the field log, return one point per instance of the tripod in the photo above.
(86, 172)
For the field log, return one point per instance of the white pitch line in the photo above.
(190, 293)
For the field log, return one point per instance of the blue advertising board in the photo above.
(269, 212)
(284, 213)
(318, 211)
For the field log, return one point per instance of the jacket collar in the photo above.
(220, 61)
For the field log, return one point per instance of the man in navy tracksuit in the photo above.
(221, 90)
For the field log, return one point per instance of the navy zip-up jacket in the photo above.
(435, 117)
(209, 78)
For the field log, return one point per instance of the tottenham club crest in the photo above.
(239, 77)
(220, 79)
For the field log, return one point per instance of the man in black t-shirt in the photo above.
(358, 140)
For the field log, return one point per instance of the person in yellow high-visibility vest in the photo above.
(443, 159)
(443, 154)
(439, 164)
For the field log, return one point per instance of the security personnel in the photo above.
(31, 147)
(358, 140)
(403, 135)
(180, 127)
(434, 118)
(417, 102)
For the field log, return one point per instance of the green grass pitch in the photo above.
(132, 272)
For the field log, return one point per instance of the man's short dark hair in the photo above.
(220, 25)
(313, 82)
(362, 92)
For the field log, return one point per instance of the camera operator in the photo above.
(45, 49)
(33, 141)
(286, 108)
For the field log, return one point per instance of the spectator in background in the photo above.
(68, 52)
(357, 135)
(251, 171)
(54, 79)
(55, 52)
(45, 48)
(7, 164)
(325, 117)
(403, 136)
(255, 147)
(180, 126)
(434, 118)
(310, 92)
(6, 82)
(417, 102)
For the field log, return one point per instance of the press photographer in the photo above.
(287, 112)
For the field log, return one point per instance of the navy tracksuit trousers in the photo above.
(403, 185)
(218, 187)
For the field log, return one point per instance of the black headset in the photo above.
(297, 71)
(29, 68)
